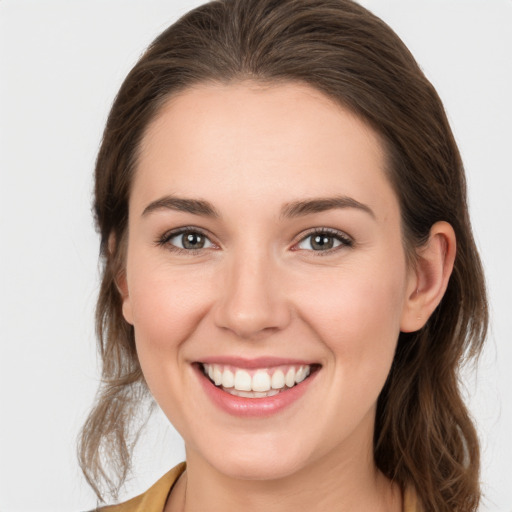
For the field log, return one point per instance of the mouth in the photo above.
(257, 383)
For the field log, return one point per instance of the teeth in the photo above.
(303, 372)
(242, 381)
(228, 379)
(261, 381)
(256, 383)
(290, 377)
(278, 380)
(217, 376)
(252, 394)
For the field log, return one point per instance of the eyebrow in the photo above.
(290, 210)
(317, 205)
(194, 206)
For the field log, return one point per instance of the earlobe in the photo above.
(122, 286)
(121, 282)
(429, 278)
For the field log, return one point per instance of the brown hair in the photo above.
(424, 436)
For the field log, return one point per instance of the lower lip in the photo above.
(253, 407)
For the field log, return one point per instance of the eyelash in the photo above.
(163, 241)
(346, 241)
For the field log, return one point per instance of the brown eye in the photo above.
(321, 242)
(192, 241)
(188, 240)
(324, 240)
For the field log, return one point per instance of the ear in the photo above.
(121, 281)
(429, 277)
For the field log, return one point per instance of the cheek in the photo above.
(352, 301)
(166, 305)
(357, 316)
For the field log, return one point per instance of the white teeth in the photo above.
(245, 394)
(252, 394)
(242, 381)
(256, 383)
(228, 379)
(261, 381)
(290, 377)
(302, 373)
(217, 376)
(278, 380)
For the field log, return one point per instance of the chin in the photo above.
(274, 468)
(276, 460)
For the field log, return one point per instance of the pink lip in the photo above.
(253, 407)
(259, 362)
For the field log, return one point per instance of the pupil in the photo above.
(193, 241)
(322, 242)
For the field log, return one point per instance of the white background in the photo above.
(61, 63)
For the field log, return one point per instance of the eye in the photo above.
(323, 240)
(187, 240)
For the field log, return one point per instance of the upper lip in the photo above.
(258, 362)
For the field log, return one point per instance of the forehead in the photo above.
(260, 144)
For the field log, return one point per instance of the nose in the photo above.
(252, 300)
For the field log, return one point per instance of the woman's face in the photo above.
(265, 243)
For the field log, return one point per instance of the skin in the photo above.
(257, 288)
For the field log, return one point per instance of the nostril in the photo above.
(250, 303)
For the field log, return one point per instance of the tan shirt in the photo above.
(153, 500)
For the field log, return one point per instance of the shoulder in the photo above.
(153, 500)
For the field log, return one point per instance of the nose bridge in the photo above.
(251, 300)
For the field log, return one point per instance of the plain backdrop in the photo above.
(61, 63)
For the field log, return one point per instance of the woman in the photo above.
(289, 267)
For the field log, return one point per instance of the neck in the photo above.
(341, 482)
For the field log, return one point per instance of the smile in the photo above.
(258, 387)
(256, 383)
